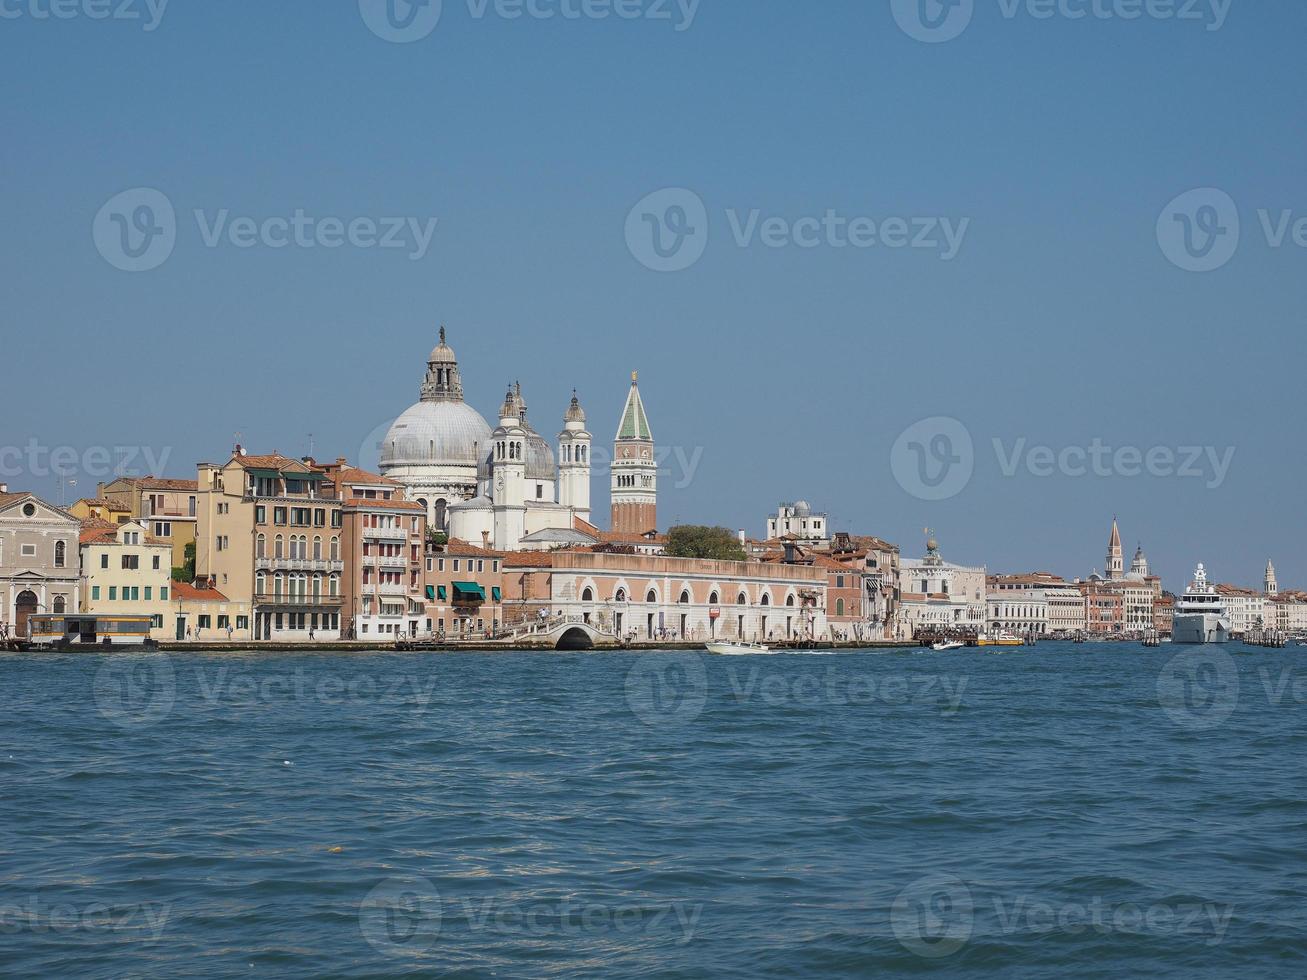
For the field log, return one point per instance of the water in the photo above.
(1087, 811)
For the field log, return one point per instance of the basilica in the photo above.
(504, 488)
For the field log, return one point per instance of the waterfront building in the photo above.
(464, 590)
(1038, 603)
(476, 483)
(1164, 614)
(798, 523)
(382, 547)
(169, 508)
(270, 535)
(939, 595)
(203, 614)
(1290, 610)
(1104, 608)
(635, 472)
(39, 571)
(127, 572)
(1247, 609)
(650, 598)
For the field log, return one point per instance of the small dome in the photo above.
(802, 509)
(574, 411)
(476, 503)
(435, 433)
(540, 463)
(442, 353)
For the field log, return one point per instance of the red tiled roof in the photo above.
(461, 549)
(365, 503)
(158, 483)
(528, 559)
(184, 590)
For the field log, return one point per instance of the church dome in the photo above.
(433, 433)
(540, 463)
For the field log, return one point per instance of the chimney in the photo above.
(789, 552)
(485, 540)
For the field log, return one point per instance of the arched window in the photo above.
(839, 607)
(317, 548)
(789, 600)
(335, 549)
(60, 554)
(651, 597)
(260, 584)
(713, 599)
(335, 586)
(621, 595)
(317, 586)
(59, 605)
(765, 600)
(685, 598)
(442, 507)
(588, 595)
(742, 600)
(279, 548)
(276, 586)
(261, 546)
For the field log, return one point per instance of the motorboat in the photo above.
(738, 649)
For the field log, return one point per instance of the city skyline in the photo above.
(1059, 320)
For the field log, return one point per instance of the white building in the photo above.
(1037, 603)
(1246, 608)
(39, 571)
(939, 595)
(797, 521)
(486, 487)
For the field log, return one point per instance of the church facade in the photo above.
(505, 488)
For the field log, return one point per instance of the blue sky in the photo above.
(1059, 321)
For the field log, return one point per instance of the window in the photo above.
(336, 519)
(113, 593)
(156, 621)
(651, 597)
(104, 561)
(95, 593)
(206, 622)
(588, 595)
(242, 622)
(839, 607)
(260, 515)
(156, 563)
(279, 516)
(223, 622)
(29, 550)
(163, 594)
(60, 554)
(149, 593)
(162, 529)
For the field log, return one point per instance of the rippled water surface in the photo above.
(1088, 811)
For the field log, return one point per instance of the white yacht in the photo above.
(1200, 614)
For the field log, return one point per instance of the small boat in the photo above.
(737, 649)
(943, 645)
(1002, 639)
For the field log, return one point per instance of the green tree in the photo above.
(693, 541)
(187, 572)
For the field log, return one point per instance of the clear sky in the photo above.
(1054, 144)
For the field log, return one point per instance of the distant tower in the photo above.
(1269, 586)
(510, 472)
(1139, 567)
(635, 474)
(1115, 567)
(574, 461)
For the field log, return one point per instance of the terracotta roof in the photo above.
(272, 461)
(94, 534)
(99, 502)
(184, 590)
(8, 498)
(629, 537)
(461, 549)
(91, 523)
(1236, 590)
(158, 483)
(528, 559)
(585, 526)
(354, 475)
(365, 503)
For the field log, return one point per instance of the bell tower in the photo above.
(635, 473)
(1115, 567)
(1269, 585)
(574, 461)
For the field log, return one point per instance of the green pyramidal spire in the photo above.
(635, 424)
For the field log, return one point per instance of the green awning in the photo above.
(265, 474)
(469, 589)
(494, 591)
(431, 592)
(313, 477)
(442, 592)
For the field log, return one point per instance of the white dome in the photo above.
(432, 433)
(802, 509)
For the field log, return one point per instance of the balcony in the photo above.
(386, 561)
(388, 533)
(299, 601)
(386, 588)
(266, 564)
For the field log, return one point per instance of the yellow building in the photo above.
(100, 509)
(168, 507)
(127, 572)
